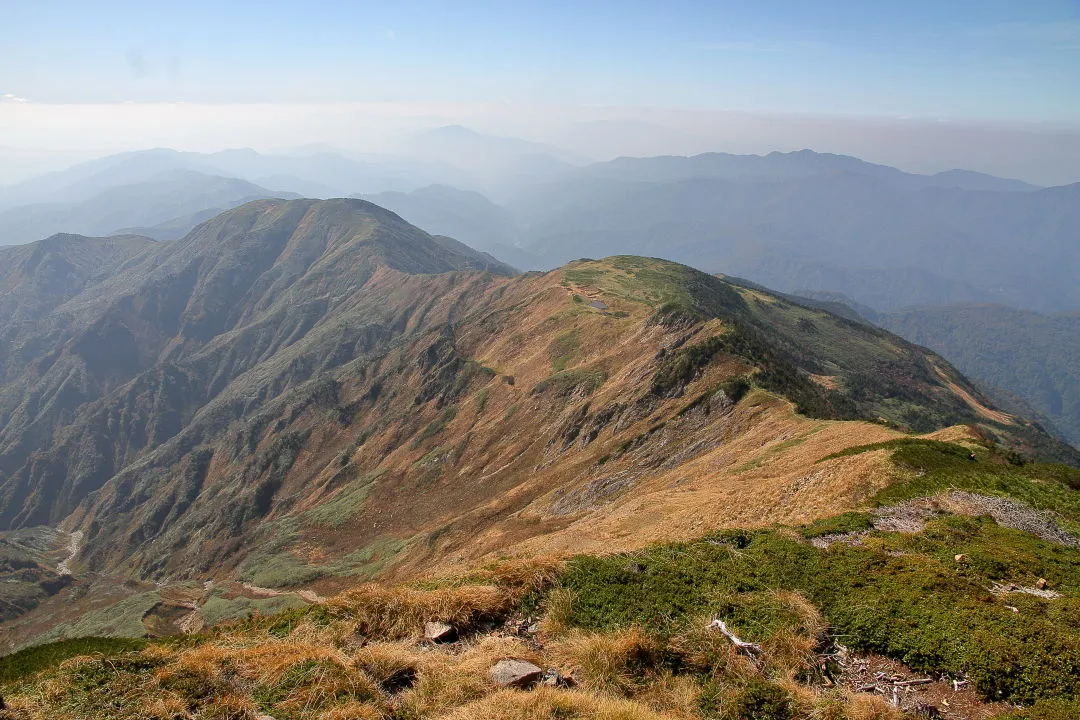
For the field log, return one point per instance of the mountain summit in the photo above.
(320, 374)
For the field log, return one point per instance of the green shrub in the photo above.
(28, 661)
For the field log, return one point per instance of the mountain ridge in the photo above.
(297, 304)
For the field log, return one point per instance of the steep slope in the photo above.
(38, 277)
(468, 216)
(1034, 356)
(316, 391)
(124, 364)
(414, 413)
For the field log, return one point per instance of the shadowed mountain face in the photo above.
(1036, 357)
(122, 364)
(307, 388)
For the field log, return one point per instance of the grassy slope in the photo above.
(632, 625)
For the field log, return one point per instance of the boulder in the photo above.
(515, 673)
(439, 632)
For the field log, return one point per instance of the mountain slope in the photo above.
(38, 277)
(467, 216)
(306, 391)
(1034, 356)
(591, 410)
(164, 197)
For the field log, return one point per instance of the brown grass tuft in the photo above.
(546, 703)
(558, 610)
(612, 663)
(354, 711)
(703, 650)
(526, 574)
(400, 612)
(862, 706)
(792, 651)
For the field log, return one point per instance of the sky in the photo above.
(988, 62)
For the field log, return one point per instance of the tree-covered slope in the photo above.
(1036, 357)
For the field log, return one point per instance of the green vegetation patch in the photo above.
(124, 619)
(28, 661)
(903, 597)
(277, 567)
(566, 383)
(563, 349)
(849, 522)
(345, 504)
(932, 466)
(219, 608)
(775, 373)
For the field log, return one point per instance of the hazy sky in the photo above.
(998, 63)
(988, 59)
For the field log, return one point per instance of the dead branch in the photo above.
(751, 649)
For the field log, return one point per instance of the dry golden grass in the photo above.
(673, 696)
(793, 651)
(384, 661)
(766, 471)
(446, 681)
(354, 711)
(400, 612)
(609, 663)
(326, 671)
(546, 703)
(705, 651)
(862, 706)
(523, 574)
(558, 609)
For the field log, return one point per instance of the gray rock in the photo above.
(439, 632)
(515, 673)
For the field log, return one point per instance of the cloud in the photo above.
(10, 98)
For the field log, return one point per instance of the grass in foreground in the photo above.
(632, 629)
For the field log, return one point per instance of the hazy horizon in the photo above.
(987, 86)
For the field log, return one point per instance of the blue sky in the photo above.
(974, 59)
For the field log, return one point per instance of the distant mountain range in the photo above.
(165, 198)
(803, 222)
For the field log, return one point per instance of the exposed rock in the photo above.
(1011, 513)
(515, 673)
(439, 632)
(553, 678)
(960, 558)
(1041, 583)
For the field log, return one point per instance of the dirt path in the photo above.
(64, 568)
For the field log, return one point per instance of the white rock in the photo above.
(515, 673)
